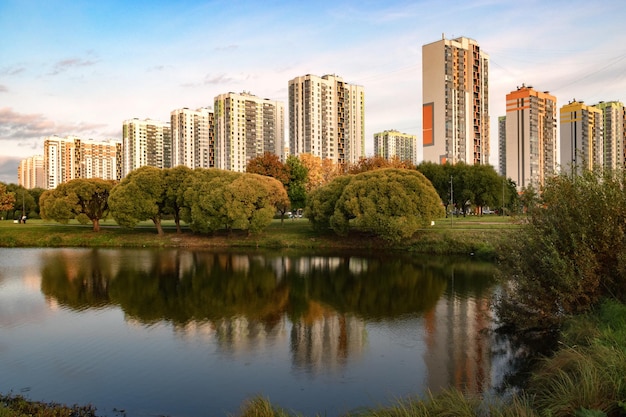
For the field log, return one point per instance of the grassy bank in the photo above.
(471, 235)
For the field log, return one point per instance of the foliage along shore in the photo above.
(479, 236)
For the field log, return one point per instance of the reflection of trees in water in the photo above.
(182, 286)
(78, 280)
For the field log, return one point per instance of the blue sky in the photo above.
(83, 67)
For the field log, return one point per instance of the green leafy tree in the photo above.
(322, 201)
(570, 254)
(26, 201)
(250, 202)
(7, 198)
(85, 200)
(270, 165)
(205, 199)
(174, 181)
(296, 188)
(391, 203)
(139, 196)
(485, 186)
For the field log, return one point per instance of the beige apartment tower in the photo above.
(193, 138)
(393, 144)
(71, 157)
(327, 118)
(455, 102)
(30, 173)
(582, 147)
(613, 134)
(246, 126)
(146, 143)
(531, 139)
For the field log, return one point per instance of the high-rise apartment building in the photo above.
(455, 100)
(30, 173)
(193, 138)
(146, 143)
(71, 157)
(327, 118)
(614, 134)
(582, 147)
(246, 126)
(502, 145)
(531, 139)
(393, 144)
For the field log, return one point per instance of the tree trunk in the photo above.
(96, 225)
(157, 223)
(177, 221)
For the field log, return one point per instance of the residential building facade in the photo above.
(613, 134)
(71, 157)
(326, 118)
(531, 136)
(246, 126)
(502, 145)
(193, 138)
(394, 144)
(455, 102)
(582, 147)
(30, 173)
(146, 143)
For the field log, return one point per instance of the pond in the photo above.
(190, 333)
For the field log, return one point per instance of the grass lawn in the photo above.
(459, 235)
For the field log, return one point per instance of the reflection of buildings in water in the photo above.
(303, 265)
(458, 352)
(326, 341)
(235, 335)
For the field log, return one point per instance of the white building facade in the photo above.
(326, 118)
(246, 127)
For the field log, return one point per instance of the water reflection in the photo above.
(392, 325)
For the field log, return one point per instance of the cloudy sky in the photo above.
(81, 68)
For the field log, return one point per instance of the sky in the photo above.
(74, 67)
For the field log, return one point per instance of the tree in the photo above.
(205, 200)
(570, 254)
(139, 196)
(391, 203)
(231, 200)
(269, 164)
(296, 187)
(322, 201)
(174, 200)
(378, 162)
(313, 165)
(250, 202)
(485, 186)
(7, 198)
(81, 199)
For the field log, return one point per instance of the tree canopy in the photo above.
(391, 203)
(139, 196)
(296, 188)
(219, 199)
(174, 198)
(7, 199)
(461, 186)
(81, 199)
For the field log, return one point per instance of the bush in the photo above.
(570, 254)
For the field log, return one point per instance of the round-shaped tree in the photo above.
(392, 203)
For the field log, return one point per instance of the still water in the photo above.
(194, 333)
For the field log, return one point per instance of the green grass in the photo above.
(472, 235)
